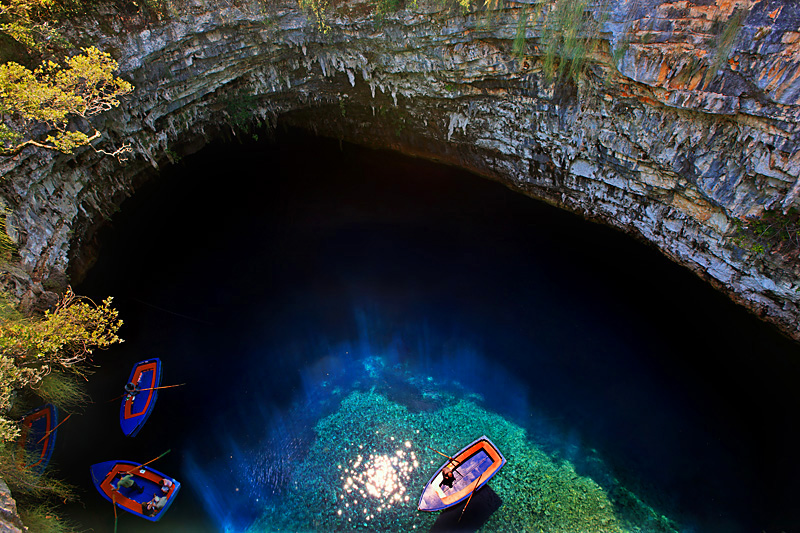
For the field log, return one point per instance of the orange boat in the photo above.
(148, 483)
(138, 403)
(472, 468)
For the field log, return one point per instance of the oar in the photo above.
(114, 503)
(141, 390)
(456, 461)
(477, 484)
(165, 387)
(55, 428)
(148, 462)
(445, 455)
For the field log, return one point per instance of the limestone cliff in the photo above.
(683, 119)
(10, 522)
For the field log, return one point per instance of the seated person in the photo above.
(166, 484)
(132, 389)
(447, 477)
(155, 505)
(127, 482)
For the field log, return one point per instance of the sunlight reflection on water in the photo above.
(375, 482)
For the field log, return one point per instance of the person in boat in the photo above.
(155, 505)
(132, 389)
(166, 484)
(128, 482)
(448, 477)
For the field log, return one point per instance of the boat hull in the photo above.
(105, 477)
(135, 411)
(475, 464)
(38, 436)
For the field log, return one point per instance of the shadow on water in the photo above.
(460, 520)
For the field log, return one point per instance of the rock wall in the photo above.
(684, 119)
(10, 522)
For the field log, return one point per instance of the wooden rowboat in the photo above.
(106, 476)
(38, 436)
(473, 467)
(136, 409)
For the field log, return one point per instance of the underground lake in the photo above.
(335, 316)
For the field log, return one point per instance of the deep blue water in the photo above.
(257, 271)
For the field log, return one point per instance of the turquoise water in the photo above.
(336, 312)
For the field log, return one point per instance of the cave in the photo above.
(653, 150)
(360, 281)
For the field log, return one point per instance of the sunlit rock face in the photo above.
(684, 118)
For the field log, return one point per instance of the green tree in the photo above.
(50, 106)
(52, 96)
(61, 341)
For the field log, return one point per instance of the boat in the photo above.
(473, 467)
(38, 437)
(106, 475)
(136, 408)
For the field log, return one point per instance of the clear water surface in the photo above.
(337, 314)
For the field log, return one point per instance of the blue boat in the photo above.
(471, 468)
(38, 436)
(149, 485)
(140, 397)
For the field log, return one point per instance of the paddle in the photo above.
(147, 463)
(477, 484)
(456, 461)
(55, 428)
(445, 455)
(142, 390)
(114, 504)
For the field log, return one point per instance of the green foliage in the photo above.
(569, 35)
(239, 109)
(61, 341)
(29, 23)
(160, 8)
(726, 38)
(522, 31)
(773, 232)
(55, 99)
(318, 9)
(7, 247)
(621, 48)
(43, 519)
(26, 484)
(51, 95)
(65, 390)
(384, 7)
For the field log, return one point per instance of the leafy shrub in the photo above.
(773, 232)
(61, 340)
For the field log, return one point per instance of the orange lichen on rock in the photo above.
(787, 83)
(662, 74)
(721, 9)
(790, 37)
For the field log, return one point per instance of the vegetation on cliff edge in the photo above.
(43, 359)
(49, 102)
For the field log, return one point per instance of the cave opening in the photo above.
(316, 296)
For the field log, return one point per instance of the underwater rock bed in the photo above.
(371, 459)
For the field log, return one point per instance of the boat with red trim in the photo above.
(38, 436)
(140, 396)
(149, 485)
(472, 467)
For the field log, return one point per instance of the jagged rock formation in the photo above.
(10, 522)
(684, 119)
